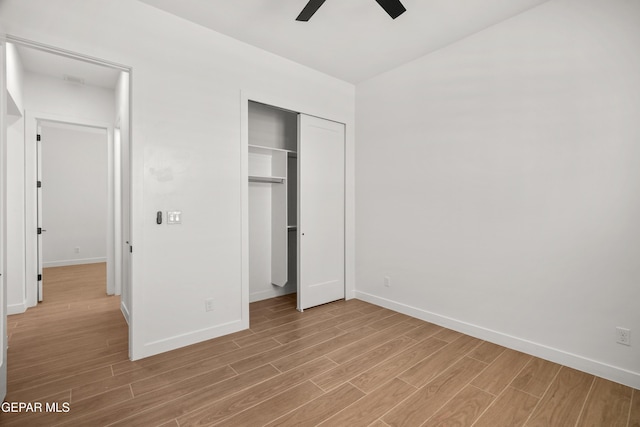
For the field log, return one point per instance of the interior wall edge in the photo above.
(571, 360)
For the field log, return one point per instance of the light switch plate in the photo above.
(174, 217)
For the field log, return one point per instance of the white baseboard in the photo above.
(79, 261)
(271, 293)
(16, 308)
(613, 373)
(125, 311)
(178, 341)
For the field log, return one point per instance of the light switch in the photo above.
(174, 217)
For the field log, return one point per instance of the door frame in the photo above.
(3, 224)
(39, 236)
(301, 106)
(33, 163)
(129, 203)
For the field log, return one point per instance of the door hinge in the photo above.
(39, 230)
(39, 277)
(37, 137)
(39, 184)
(130, 249)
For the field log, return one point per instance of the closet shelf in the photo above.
(261, 149)
(270, 179)
(292, 227)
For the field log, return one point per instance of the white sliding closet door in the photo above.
(320, 211)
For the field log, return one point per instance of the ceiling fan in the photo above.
(393, 7)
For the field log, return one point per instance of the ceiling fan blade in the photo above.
(309, 10)
(393, 7)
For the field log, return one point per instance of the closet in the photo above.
(296, 206)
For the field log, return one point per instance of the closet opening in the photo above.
(273, 135)
(296, 211)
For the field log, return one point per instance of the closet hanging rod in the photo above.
(269, 179)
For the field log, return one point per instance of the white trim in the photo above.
(4, 341)
(112, 232)
(16, 309)
(613, 373)
(271, 293)
(62, 52)
(136, 235)
(244, 210)
(77, 261)
(117, 209)
(189, 338)
(125, 311)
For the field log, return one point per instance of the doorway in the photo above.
(61, 89)
(72, 201)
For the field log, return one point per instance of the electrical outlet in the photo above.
(76, 250)
(387, 281)
(623, 336)
(208, 304)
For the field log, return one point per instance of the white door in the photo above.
(3, 291)
(320, 211)
(39, 208)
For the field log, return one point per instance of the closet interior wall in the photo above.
(273, 135)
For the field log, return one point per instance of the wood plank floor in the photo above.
(348, 363)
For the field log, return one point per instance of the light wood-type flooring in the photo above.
(342, 364)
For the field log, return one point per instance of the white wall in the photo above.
(498, 185)
(15, 268)
(186, 92)
(74, 195)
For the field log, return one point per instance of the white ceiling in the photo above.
(57, 66)
(349, 39)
